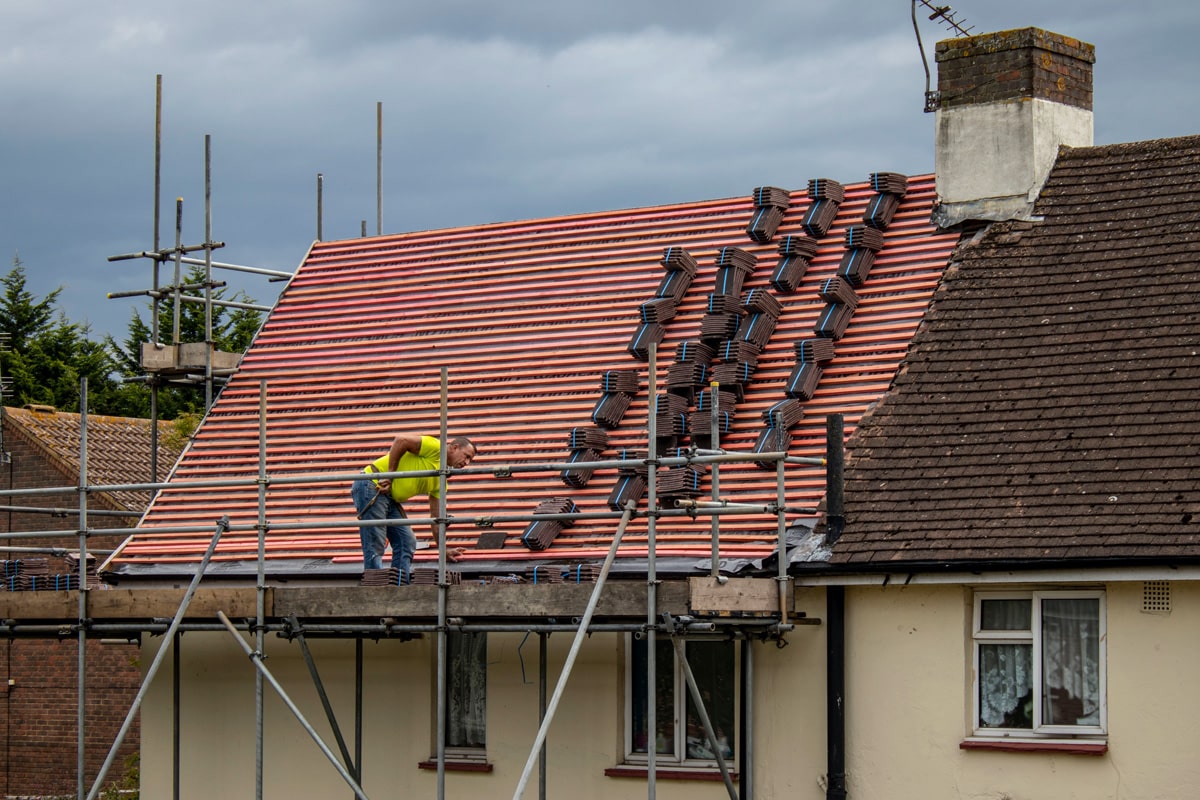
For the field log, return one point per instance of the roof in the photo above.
(118, 450)
(526, 317)
(1048, 409)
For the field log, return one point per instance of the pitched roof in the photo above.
(118, 450)
(1048, 408)
(526, 317)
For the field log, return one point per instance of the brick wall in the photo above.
(1011, 65)
(39, 708)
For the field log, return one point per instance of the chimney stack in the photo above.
(1007, 102)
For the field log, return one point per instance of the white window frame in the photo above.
(679, 703)
(1032, 636)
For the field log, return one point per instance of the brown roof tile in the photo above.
(1048, 407)
(118, 449)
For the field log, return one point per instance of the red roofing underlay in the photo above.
(526, 317)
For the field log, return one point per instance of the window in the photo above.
(1039, 664)
(466, 693)
(680, 733)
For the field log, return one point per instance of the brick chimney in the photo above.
(1007, 102)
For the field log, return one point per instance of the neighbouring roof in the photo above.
(526, 317)
(118, 450)
(1049, 408)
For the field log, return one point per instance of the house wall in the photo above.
(909, 703)
(39, 715)
(218, 731)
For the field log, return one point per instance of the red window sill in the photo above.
(457, 766)
(1080, 747)
(668, 774)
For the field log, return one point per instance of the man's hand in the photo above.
(454, 553)
(384, 485)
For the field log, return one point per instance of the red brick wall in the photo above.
(39, 680)
(1009, 65)
(39, 708)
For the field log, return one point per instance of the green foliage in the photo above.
(129, 785)
(46, 355)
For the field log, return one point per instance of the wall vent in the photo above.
(1156, 597)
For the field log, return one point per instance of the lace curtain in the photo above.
(466, 689)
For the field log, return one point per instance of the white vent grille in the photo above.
(1156, 597)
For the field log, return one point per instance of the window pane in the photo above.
(712, 667)
(664, 668)
(466, 689)
(1071, 661)
(1005, 615)
(1005, 685)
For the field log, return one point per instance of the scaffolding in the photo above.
(774, 624)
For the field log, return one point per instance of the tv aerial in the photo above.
(945, 16)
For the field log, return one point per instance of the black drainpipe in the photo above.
(835, 615)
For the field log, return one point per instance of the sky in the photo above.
(489, 112)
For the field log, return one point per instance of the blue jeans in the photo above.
(373, 504)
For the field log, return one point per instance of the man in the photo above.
(381, 498)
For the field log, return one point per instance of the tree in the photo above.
(48, 355)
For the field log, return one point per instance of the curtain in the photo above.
(1071, 661)
(466, 689)
(1005, 669)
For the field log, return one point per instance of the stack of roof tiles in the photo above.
(618, 388)
(545, 573)
(890, 188)
(541, 532)
(586, 445)
(811, 354)
(428, 576)
(681, 268)
(770, 203)
(795, 253)
(581, 573)
(27, 574)
(827, 195)
(386, 576)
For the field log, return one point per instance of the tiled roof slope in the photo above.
(526, 317)
(1049, 407)
(118, 450)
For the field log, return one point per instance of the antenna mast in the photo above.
(944, 15)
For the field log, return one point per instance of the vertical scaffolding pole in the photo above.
(576, 644)
(440, 531)
(543, 638)
(379, 168)
(81, 696)
(747, 720)
(177, 291)
(652, 582)
(208, 287)
(261, 587)
(256, 657)
(358, 717)
(716, 480)
(320, 201)
(154, 292)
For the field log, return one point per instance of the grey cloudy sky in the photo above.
(491, 112)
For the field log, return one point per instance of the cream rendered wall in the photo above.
(909, 704)
(218, 737)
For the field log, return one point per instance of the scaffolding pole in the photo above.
(256, 658)
(576, 644)
(158, 659)
(746, 628)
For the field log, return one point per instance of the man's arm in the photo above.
(403, 443)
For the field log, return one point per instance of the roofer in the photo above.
(381, 498)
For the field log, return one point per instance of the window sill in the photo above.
(668, 773)
(1083, 747)
(458, 766)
